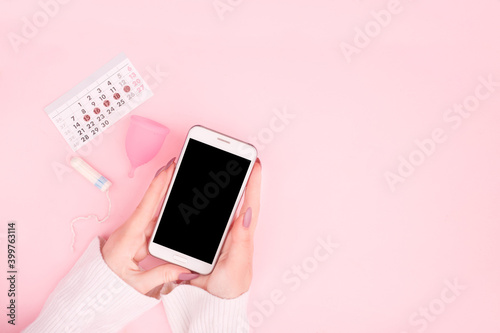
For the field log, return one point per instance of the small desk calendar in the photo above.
(98, 102)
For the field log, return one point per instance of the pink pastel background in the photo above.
(323, 172)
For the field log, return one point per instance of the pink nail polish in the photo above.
(187, 276)
(164, 167)
(247, 218)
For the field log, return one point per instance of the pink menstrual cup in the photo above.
(144, 140)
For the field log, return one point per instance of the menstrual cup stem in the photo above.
(131, 172)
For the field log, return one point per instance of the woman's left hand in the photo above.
(128, 245)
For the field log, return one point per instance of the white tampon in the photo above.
(90, 173)
(98, 181)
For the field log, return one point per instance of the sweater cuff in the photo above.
(91, 297)
(192, 309)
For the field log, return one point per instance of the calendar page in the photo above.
(98, 102)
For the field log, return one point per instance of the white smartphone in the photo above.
(207, 185)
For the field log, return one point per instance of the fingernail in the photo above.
(187, 276)
(247, 218)
(258, 161)
(165, 167)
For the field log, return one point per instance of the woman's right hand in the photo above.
(232, 274)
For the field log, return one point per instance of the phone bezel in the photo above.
(225, 143)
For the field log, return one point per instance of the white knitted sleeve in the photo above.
(91, 298)
(194, 310)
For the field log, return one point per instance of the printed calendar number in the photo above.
(89, 112)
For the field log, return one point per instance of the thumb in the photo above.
(158, 275)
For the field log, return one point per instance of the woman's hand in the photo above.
(232, 274)
(127, 245)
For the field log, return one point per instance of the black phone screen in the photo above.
(201, 200)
